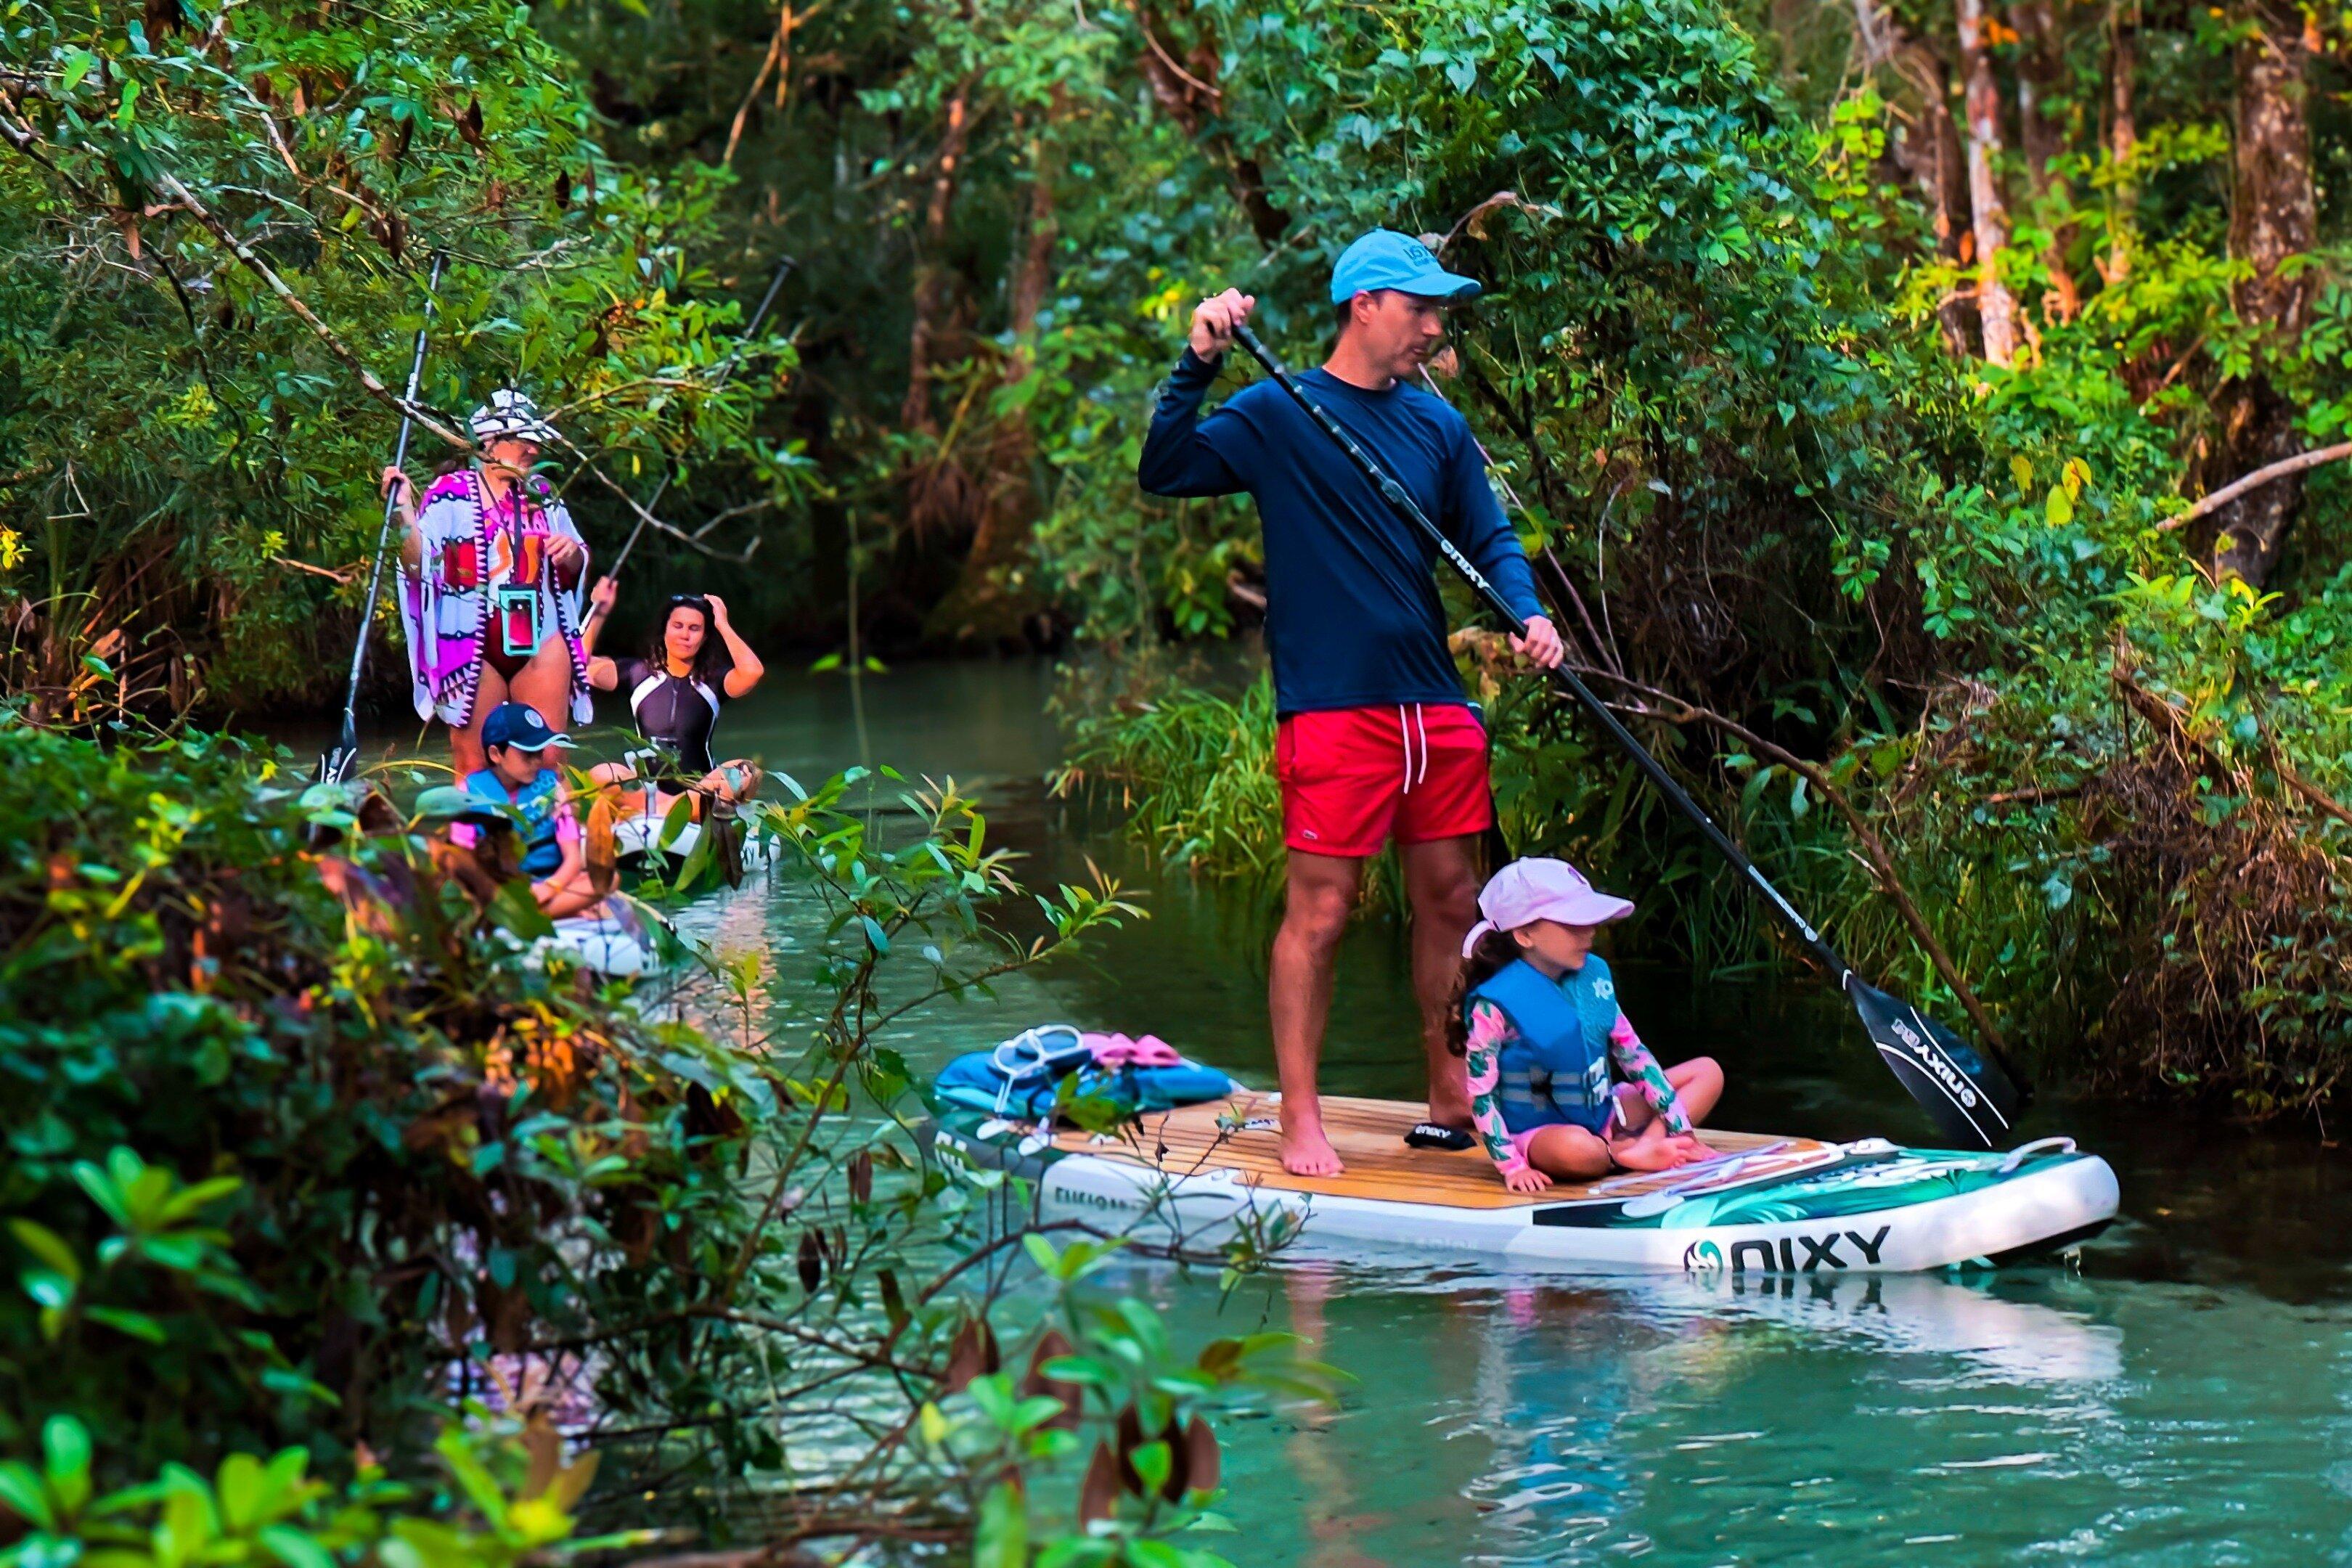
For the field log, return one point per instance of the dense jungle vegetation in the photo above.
(1928, 420)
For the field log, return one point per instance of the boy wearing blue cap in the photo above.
(521, 786)
(1375, 740)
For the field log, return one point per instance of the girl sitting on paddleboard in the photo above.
(695, 662)
(1536, 1011)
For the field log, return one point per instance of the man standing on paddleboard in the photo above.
(1375, 740)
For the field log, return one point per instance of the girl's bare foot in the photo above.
(1649, 1149)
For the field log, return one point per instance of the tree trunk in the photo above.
(1926, 145)
(2040, 74)
(931, 327)
(989, 606)
(1996, 309)
(2273, 221)
(2123, 141)
(1188, 92)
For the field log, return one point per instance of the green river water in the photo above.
(2184, 1397)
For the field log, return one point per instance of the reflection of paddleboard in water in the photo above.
(1760, 1206)
(1915, 1314)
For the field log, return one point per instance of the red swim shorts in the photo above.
(1353, 777)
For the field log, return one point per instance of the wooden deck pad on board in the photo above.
(1369, 1136)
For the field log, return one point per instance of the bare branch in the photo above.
(425, 418)
(2255, 480)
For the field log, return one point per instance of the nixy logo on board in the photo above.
(1820, 1251)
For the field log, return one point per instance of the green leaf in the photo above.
(519, 912)
(2060, 507)
(22, 1494)
(65, 1449)
(138, 1325)
(48, 1287)
(48, 1246)
(239, 1486)
(197, 1195)
(480, 1488)
(295, 1548)
(1002, 1541)
(102, 1191)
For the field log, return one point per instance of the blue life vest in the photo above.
(537, 802)
(1556, 1068)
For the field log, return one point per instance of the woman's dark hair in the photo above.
(1496, 951)
(710, 661)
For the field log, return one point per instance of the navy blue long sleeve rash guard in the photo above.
(1352, 615)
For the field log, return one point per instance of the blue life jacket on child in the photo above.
(543, 850)
(1555, 1070)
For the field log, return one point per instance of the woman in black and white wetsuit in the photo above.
(695, 664)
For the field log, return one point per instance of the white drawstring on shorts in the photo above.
(1405, 733)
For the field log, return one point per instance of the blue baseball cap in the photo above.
(518, 725)
(1387, 260)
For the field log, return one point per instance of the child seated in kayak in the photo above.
(519, 782)
(1536, 1011)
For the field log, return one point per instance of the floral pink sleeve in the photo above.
(1490, 1031)
(1642, 1071)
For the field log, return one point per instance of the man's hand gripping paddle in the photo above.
(1970, 1093)
(335, 766)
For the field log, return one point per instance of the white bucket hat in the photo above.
(1526, 891)
(510, 413)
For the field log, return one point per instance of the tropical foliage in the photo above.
(222, 223)
(338, 1225)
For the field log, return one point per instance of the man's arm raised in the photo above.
(1181, 454)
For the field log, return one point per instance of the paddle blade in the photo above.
(1966, 1093)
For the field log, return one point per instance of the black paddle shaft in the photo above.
(347, 746)
(1969, 1094)
(726, 369)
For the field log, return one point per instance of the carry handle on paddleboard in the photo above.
(1969, 1092)
(726, 369)
(336, 766)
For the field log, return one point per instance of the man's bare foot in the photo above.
(1305, 1151)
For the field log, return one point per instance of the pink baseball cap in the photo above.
(1526, 891)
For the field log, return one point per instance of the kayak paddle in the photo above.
(726, 369)
(335, 767)
(1970, 1093)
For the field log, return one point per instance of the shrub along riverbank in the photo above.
(324, 1207)
(2131, 846)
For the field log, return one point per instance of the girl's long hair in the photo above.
(1496, 951)
(711, 661)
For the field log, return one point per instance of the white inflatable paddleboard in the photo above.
(634, 838)
(1760, 1206)
(609, 947)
